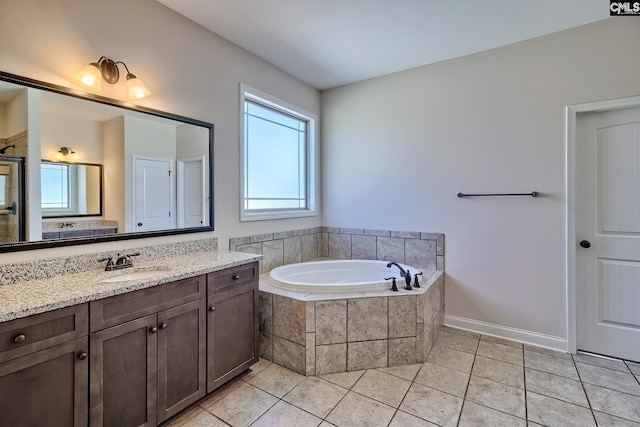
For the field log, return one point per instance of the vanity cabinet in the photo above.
(44, 369)
(232, 323)
(48, 235)
(148, 354)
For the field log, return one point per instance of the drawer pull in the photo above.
(212, 308)
(20, 339)
(236, 277)
(163, 326)
(153, 329)
(82, 356)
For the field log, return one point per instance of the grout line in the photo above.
(586, 395)
(464, 398)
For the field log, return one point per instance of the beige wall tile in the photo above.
(367, 355)
(311, 353)
(390, 249)
(420, 253)
(339, 246)
(331, 358)
(310, 246)
(367, 319)
(402, 351)
(292, 250)
(266, 346)
(290, 355)
(311, 316)
(402, 316)
(363, 247)
(289, 318)
(266, 312)
(331, 322)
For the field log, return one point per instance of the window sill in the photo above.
(268, 215)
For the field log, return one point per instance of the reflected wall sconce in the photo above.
(66, 153)
(105, 69)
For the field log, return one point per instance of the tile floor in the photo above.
(468, 380)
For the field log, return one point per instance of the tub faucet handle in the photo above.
(394, 288)
(416, 284)
(407, 281)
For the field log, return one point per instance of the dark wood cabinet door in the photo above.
(232, 318)
(124, 374)
(48, 387)
(181, 357)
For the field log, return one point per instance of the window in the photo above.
(278, 158)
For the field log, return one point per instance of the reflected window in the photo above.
(55, 187)
(3, 190)
(278, 158)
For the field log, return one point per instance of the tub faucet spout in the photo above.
(406, 275)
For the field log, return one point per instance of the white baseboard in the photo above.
(520, 335)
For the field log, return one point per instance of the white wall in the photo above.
(190, 71)
(398, 149)
(83, 135)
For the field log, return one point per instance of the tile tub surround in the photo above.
(316, 334)
(51, 267)
(22, 299)
(409, 247)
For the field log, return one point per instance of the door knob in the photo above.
(585, 244)
(139, 224)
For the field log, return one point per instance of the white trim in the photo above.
(570, 217)
(513, 334)
(172, 204)
(313, 180)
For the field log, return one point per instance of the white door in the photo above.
(608, 233)
(191, 192)
(152, 194)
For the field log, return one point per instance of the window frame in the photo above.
(72, 196)
(248, 93)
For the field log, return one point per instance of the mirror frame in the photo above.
(45, 244)
(101, 188)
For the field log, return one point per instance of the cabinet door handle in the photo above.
(82, 356)
(20, 339)
(163, 326)
(212, 308)
(153, 329)
(236, 277)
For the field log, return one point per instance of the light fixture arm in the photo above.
(110, 73)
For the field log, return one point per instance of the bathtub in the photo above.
(337, 276)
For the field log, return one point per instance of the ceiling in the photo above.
(330, 43)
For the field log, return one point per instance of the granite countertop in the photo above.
(26, 298)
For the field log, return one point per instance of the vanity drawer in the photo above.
(132, 305)
(40, 331)
(223, 280)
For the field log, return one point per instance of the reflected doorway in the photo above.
(12, 199)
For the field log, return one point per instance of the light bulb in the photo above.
(90, 77)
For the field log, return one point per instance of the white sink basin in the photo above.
(135, 275)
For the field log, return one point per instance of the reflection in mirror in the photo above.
(70, 189)
(99, 168)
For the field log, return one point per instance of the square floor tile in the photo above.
(497, 396)
(402, 419)
(343, 379)
(243, 405)
(276, 380)
(432, 405)
(460, 331)
(603, 377)
(408, 372)
(556, 413)
(382, 387)
(603, 362)
(634, 367)
(474, 415)
(613, 402)
(503, 341)
(443, 379)
(283, 414)
(203, 419)
(551, 364)
(504, 353)
(256, 368)
(358, 410)
(547, 351)
(499, 371)
(454, 359)
(220, 393)
(605, 420)
(458, 342)
(316, 396)
(555, 386)
(178, 422)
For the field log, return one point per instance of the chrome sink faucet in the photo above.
(119, 262)
(406, 274)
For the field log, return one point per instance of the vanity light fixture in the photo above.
(66, 151)
(92, 75)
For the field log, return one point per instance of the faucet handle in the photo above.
(109, 260)
(394, 288)
(416, 284)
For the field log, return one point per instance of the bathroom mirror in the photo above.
(97, 164)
